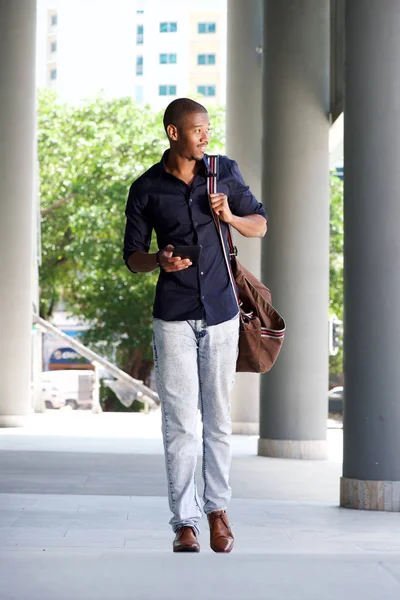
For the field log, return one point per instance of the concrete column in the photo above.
(371, 467)
(17, 125)
(295, 260)
(243, 144)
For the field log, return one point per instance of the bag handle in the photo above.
(212, 178)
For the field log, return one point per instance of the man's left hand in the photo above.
(220, 205)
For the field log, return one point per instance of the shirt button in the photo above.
(202, 297)
(202, 273)
(191, 200)
(195, 224)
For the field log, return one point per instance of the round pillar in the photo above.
(371, 467)
(17, 126)
(243, 144)
(295, 259)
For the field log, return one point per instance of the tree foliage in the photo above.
(336, 262)
(88, 156)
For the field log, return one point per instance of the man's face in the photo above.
(193, 136)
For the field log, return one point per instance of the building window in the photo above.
(54, 20)
(206, 59)
(206, 27)
(139, 65)
(167, 59)
(168, 27)
(167, 90)
(139, 34)
(53, 74)
(206, 90)
(53, 47)
(139, 93)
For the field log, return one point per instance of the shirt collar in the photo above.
(162, 163)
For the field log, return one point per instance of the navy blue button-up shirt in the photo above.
(181, 215)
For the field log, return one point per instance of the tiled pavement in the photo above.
(83, 515)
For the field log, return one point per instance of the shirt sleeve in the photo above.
(241, 200)
(138, 227)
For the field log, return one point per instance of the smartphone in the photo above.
(191, 252)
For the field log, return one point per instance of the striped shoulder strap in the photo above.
(212, 179)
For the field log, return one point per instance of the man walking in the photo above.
(195, 314)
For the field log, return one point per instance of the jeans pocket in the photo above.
(173, 338)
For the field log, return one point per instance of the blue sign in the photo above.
(67, 356)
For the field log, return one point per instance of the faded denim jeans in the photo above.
(195, 368)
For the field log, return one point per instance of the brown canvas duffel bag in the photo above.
(262, 328)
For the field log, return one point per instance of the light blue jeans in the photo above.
(195, 368)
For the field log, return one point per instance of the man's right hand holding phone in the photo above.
(171, 263)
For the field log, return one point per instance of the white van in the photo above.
(74, 386)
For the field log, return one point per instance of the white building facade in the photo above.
(150, 50)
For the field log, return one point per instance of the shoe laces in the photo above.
(220, 515)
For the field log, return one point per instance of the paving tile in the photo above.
(7, 520)
(392, 566)
(103, 538)
(55, 511)
(389, 546)
(85, 522)
(341, 536)
(150, 540)
(281, 545)
(103, 512)
(79, 502)
(10, 536)
(16, 501)
(134, 575)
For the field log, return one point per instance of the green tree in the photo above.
(336, 263)
(88, 156)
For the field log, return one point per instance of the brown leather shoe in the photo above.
(186, 540)
(221, 537)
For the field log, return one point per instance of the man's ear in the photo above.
(172, 132)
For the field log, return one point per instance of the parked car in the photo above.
(51, 396)
(335, 400)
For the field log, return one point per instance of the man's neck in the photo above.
(181, 167)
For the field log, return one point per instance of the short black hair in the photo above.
(177, 111)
